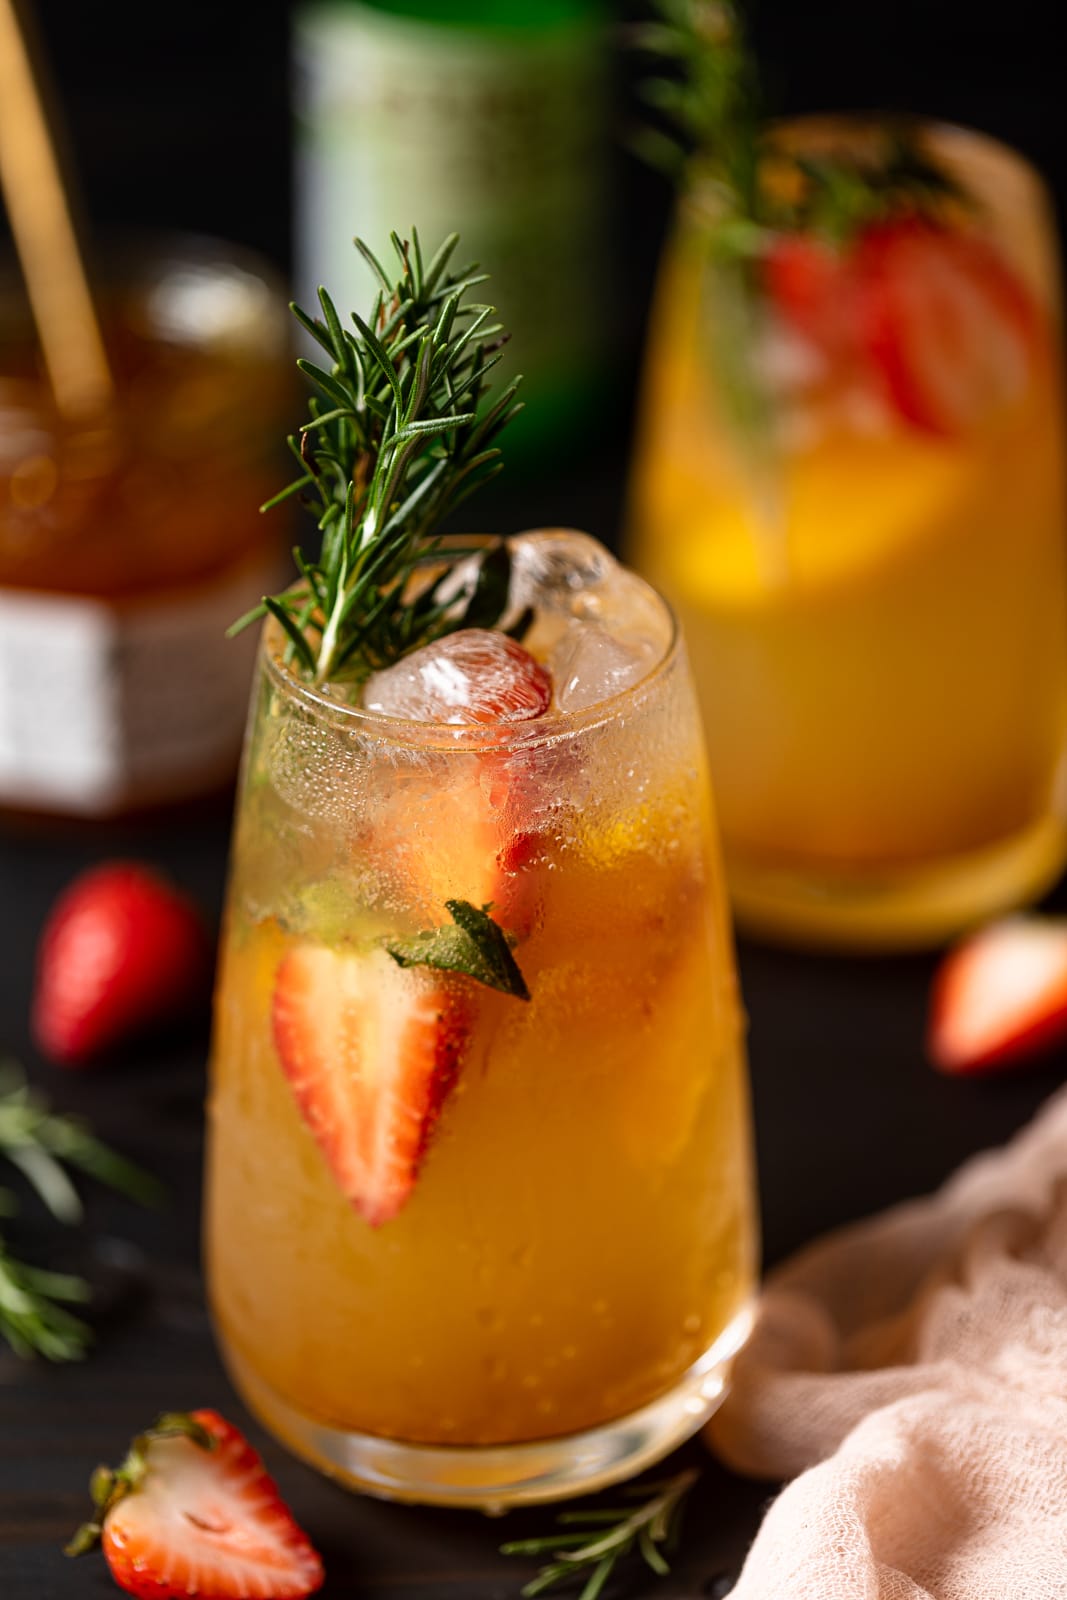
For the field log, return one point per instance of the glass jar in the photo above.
(129, 543)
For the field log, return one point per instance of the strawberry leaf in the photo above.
(109, 1485)
(472, 944)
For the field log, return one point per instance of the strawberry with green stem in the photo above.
(192, 1514)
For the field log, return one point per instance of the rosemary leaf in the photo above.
(644, 1530)
(313, 326)
(326, 382)
(296, 635)
(32, 1319)
(711, 110)
(40, 1143)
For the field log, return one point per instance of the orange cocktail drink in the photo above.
(460, 1233)
(870, 565)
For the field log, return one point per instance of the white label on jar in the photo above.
(107, 705)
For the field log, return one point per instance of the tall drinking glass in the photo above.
(869, 562)
(510, 1255)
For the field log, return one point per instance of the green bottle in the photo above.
(487, 117)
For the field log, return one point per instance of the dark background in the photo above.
(178, 113)
(177, 117)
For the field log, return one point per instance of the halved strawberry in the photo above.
(470, 839)
(122, 950)
(953, 330)
(371, 1051)
(1000, 996)
(804, 277)
(193, 1512)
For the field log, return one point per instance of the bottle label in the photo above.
(107, 706)
(496, 134)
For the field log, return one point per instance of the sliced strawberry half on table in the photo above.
(371, 1051)
(1000, 996)
(950, 326)
(193, 1512)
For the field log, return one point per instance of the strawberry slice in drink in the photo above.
(471, 842)
(370, 1051)
(948, 324)
(193, 1512)
(1000, 996)
(804, 277)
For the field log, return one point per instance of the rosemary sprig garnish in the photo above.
(33, 1315)
(753, 181)
(710, 102)
(714, 125)
(398, 435)
(646, 1530)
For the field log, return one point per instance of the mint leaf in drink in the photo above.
(472, 944)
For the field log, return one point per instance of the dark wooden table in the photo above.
(849, 1118)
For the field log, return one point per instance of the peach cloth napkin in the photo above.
(912, 1370)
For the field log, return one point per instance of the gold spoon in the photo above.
(44, 235)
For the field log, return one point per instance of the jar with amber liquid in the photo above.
(129, 541)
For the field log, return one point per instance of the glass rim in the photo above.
(123, 255)
(552, 728)
(697, 179)
(127, 264)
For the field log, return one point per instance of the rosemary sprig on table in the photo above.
(33, 1315)
(646, 1530)
(38, 1142)
(398, 435)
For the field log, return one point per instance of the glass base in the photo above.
(897, 908)
(496, 1477)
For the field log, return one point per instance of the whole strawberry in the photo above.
(122, 950)
(192, 1511)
